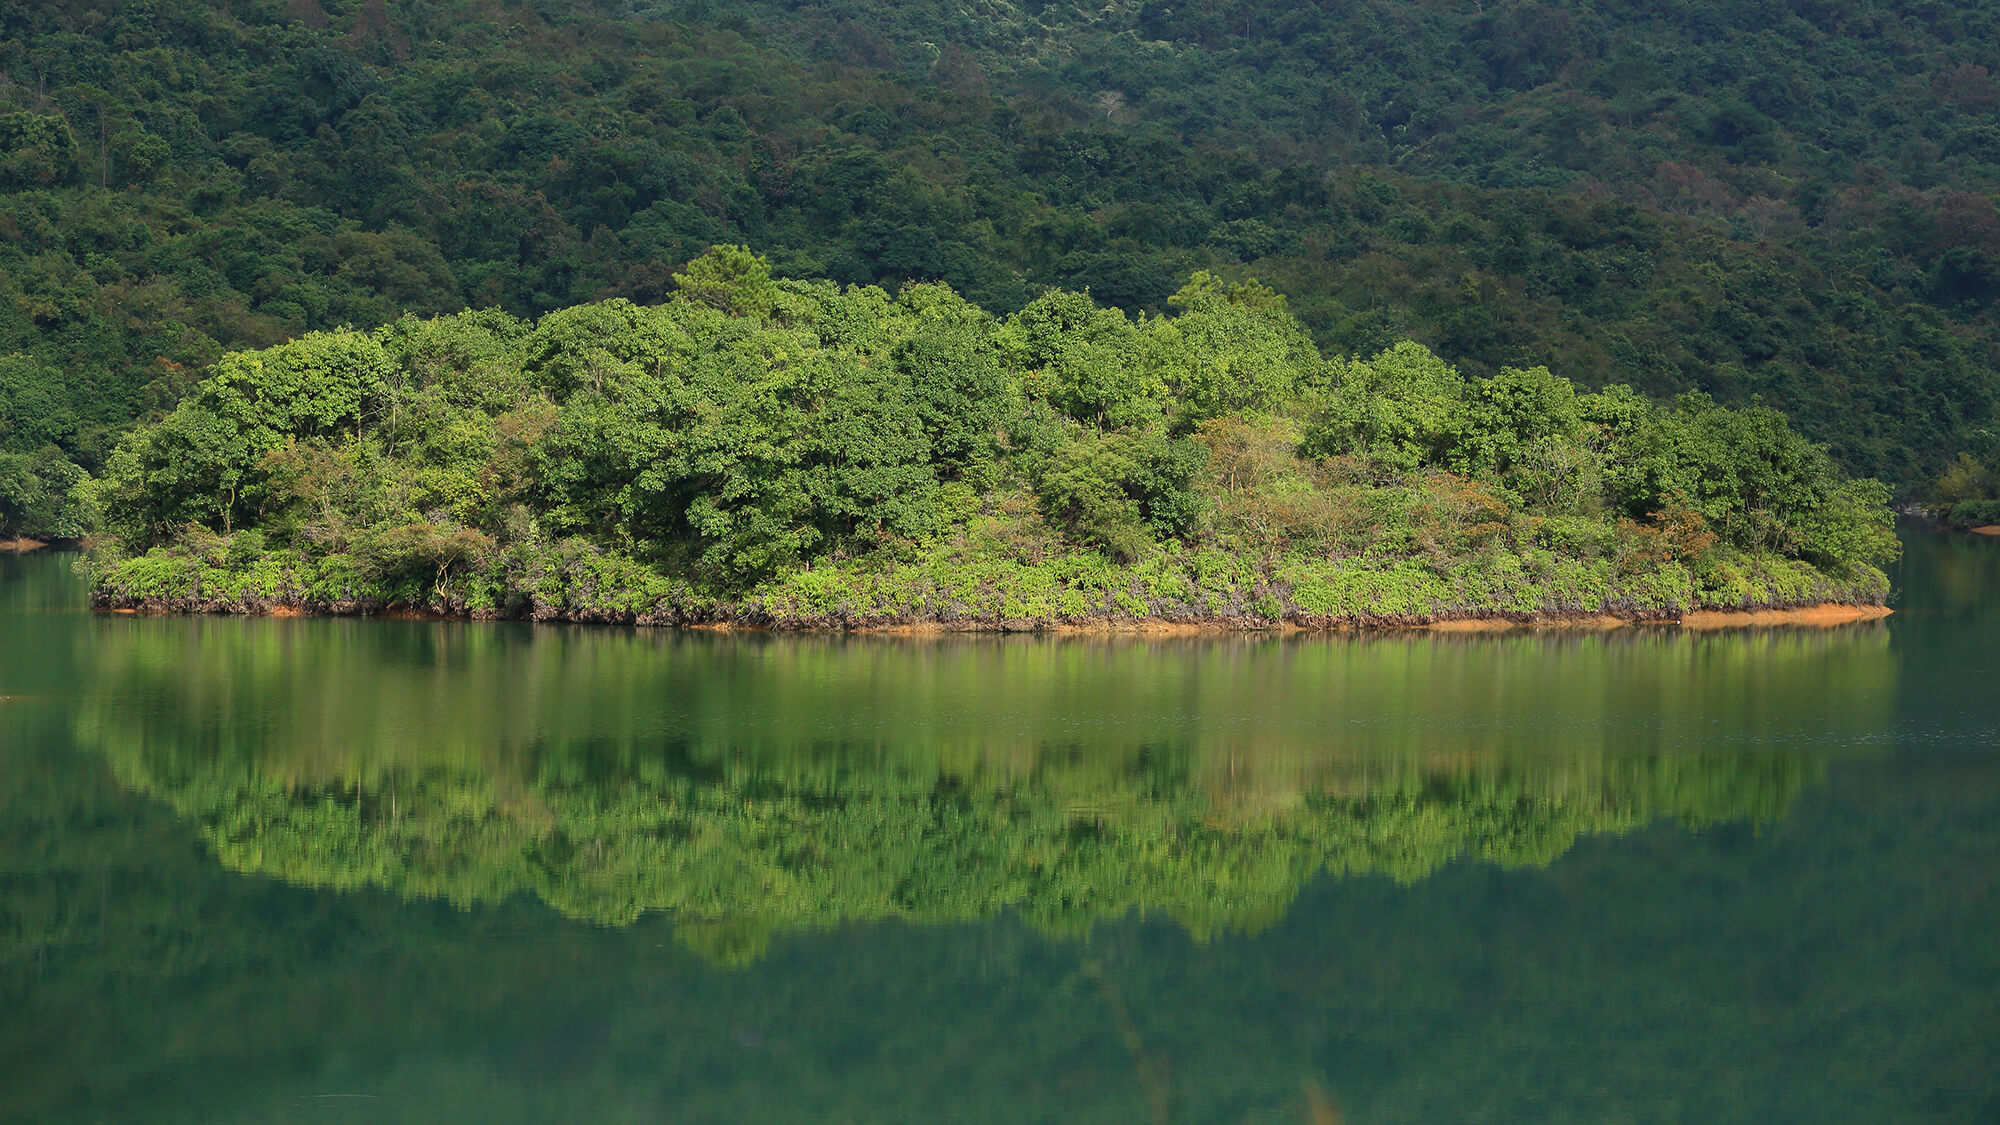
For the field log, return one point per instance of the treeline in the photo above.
(793, 452)
(180, 180)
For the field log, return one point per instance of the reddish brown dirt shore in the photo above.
(1989, 529)
(1818, 615)
(21, 545)
(1822, 615)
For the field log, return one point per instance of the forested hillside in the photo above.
(1793, 201)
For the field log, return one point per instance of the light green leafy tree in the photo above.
(1405, 408)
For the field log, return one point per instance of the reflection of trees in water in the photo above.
(747, 786)
(755, 850)
(1807, 976)
(1950, 576)
(1836, 966)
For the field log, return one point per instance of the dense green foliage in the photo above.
(792, 451)
(1785, 200)
(1968, 493)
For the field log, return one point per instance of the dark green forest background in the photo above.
(1786, 200)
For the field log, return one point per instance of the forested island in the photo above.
(768, 452)
(1003, 561)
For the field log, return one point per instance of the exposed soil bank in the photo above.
(1989, 529)
(1823, 614)
(21, 545)
(1829, 614)
(1503, 625)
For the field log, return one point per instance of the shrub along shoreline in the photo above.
(792, 454)
(1080, 592)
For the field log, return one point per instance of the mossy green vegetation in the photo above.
(795, 453)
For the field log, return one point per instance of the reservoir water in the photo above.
(267, 870)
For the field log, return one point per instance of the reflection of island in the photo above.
(737, 853)
(749, 786)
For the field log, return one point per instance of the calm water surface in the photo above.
(305, 870)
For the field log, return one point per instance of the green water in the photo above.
(343, 870)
